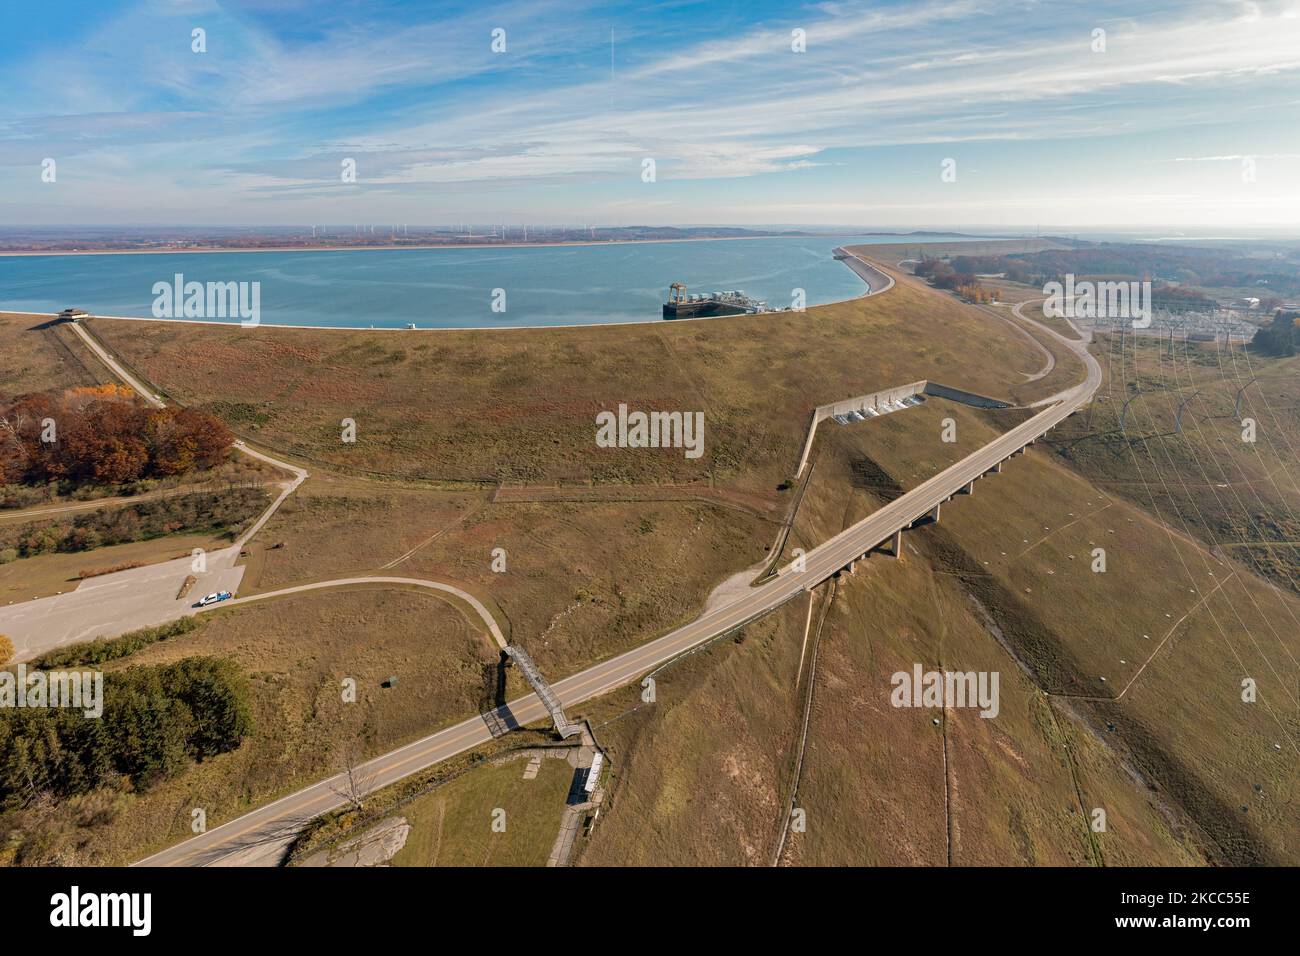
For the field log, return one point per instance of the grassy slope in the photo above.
(583, 580)
(1022, 545)
(701, 775)
(520, 405)
(34, 359)
(876, 786)
(1240, 496)
(1014, 786)
(296, 651)
(452, 826)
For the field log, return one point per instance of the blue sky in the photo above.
(1187, 119)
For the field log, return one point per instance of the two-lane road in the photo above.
(259, 837)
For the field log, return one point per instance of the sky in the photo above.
(912, 114)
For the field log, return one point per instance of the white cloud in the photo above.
(714, 109)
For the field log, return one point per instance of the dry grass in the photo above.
(1022, 546)
(36, 357)
(1227, 492)
(1002, 583)
(700, 776)
(297, 651)
(583, 580)
(521, 405)
(452, 826)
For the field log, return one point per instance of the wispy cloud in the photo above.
(418, 98)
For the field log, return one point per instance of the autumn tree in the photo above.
(103, 435)
(187, 439)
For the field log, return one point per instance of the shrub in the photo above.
(156, 720)
(198, 512)
(104, 649)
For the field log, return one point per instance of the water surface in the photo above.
(449, 288)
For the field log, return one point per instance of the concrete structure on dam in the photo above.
(876, 280)
(887, 400)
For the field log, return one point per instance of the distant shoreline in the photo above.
(207, 250)
(867, 293)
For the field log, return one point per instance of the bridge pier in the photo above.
(898, 544)
(968, 488)
(934, 513)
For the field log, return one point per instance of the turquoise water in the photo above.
(449, 288)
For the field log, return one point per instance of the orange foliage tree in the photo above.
(104, 435)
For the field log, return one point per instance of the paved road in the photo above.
(867, 271)
(114, 604)
(124, 601)
(451, 589)
(118, 369)
(1049, 358)
(300, 475)
(1079, 346)
(259, 837)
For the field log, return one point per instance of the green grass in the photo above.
(452, 826)
(296, 652)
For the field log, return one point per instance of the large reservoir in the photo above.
(492, 287)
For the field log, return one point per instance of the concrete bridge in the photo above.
(895, 541)
(277, 821)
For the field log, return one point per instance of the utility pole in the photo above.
(1236, 410)
(1178, 418)
(1123, 415)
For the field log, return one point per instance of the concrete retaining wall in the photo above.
(876, 399)
(878, 281)
(859, 404)
(960, 395)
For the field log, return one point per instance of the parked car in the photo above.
(214, 598)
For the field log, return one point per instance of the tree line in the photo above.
(225, 510)
(1278, 338)
(157, 719)
(103, 435)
